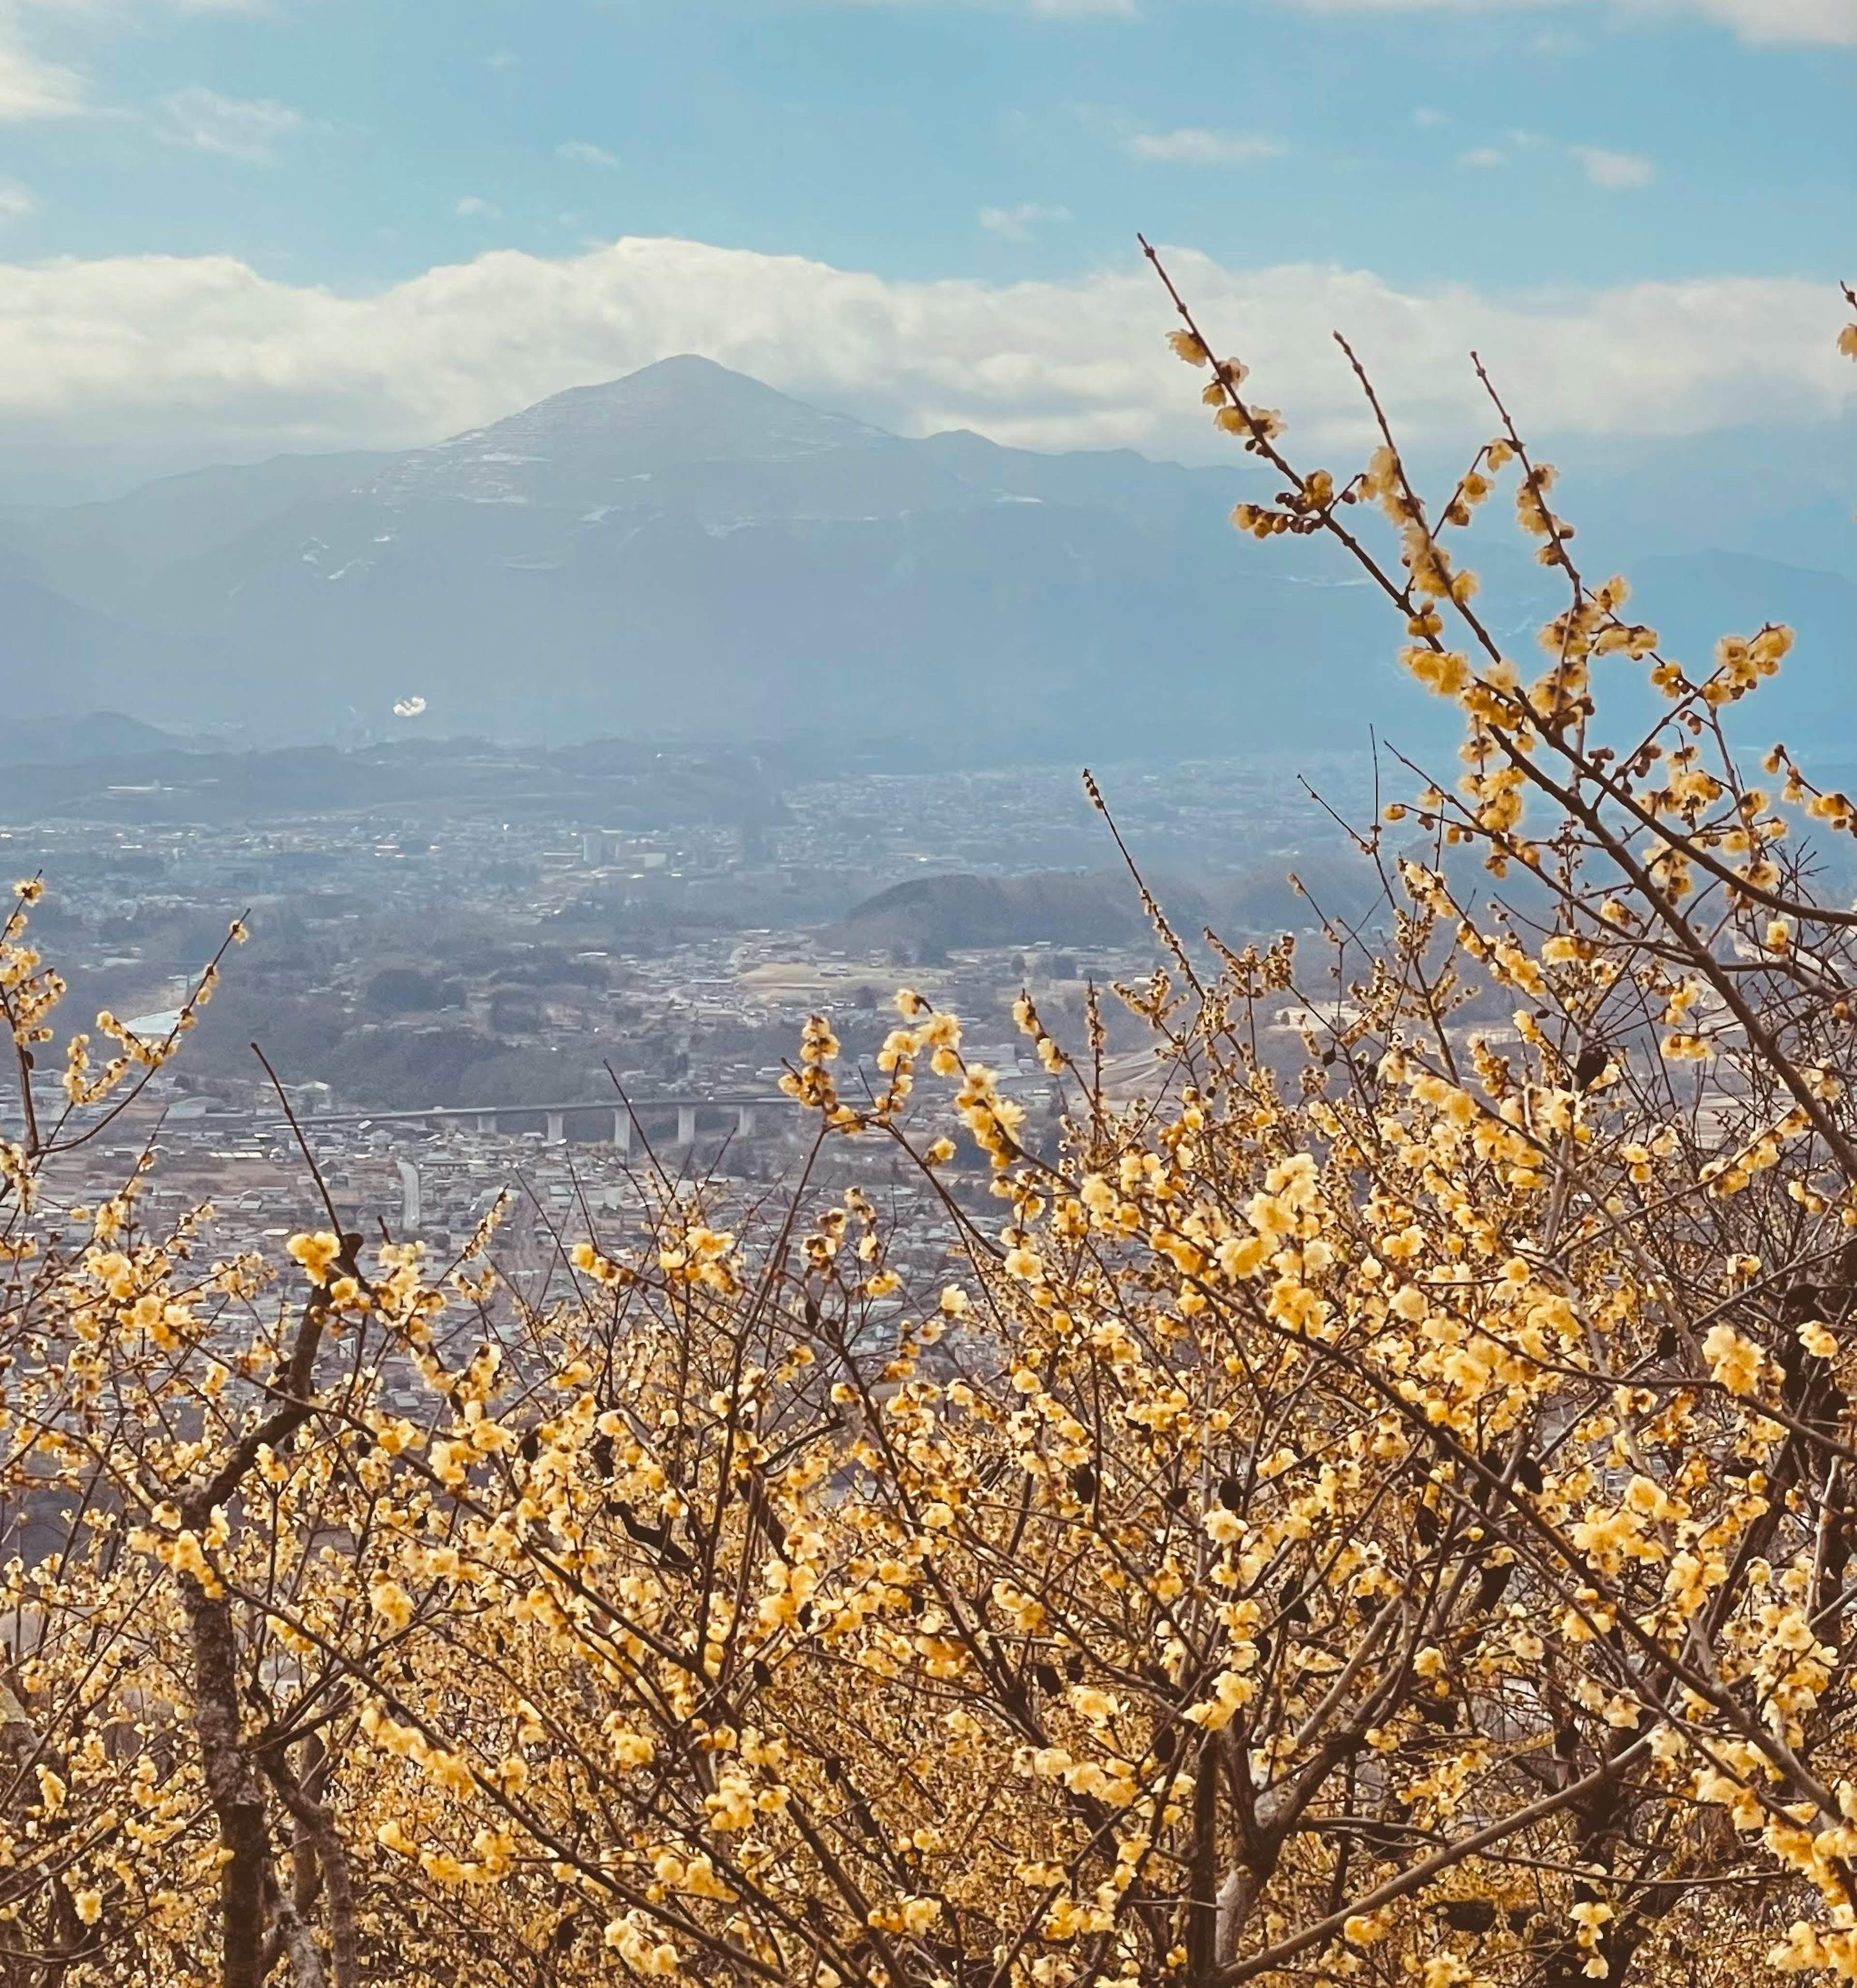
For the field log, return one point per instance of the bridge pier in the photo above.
(489, 1118)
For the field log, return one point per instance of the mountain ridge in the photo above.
(686, 552)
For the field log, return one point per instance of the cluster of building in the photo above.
(583, 1013)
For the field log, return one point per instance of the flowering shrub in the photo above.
(1391, 1525)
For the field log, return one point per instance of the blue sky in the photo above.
(877, 136)
(1568, 151)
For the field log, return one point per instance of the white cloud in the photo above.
(1191, 145)
(15, 202)
(1483, 158)
(248, 129)
(1051, 9)
(180, 359)
(1427, 119)
(578, 152)
(126, 8)
(1833, 22)
(1062, 9)
(1016, 223)
(30, 88)
(473, 207)
(34, 86)
(1617, 171)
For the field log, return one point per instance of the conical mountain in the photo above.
(686, 552)
(701, 434)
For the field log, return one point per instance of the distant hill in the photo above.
(60, 659)
(1693, 600)
(106, 554)
(920, 921)
(71, 741)
(685, 553)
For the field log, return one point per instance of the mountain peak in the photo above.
(706, 409)
(686, 379)
(577, 445)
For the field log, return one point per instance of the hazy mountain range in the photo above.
(687, 553)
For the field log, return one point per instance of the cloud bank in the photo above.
(1824, 21)
(184, 360)
(1808, 21)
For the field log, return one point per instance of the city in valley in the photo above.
(567, 977)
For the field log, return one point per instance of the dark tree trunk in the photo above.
(238, 1795)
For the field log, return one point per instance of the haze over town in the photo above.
(594, 603)
(928, 1050)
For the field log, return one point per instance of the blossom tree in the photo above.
(1388, 1521)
